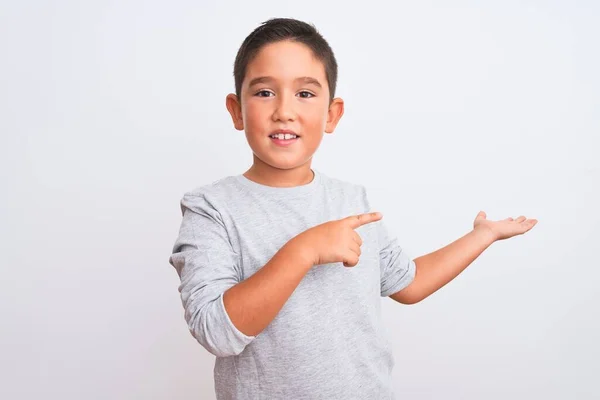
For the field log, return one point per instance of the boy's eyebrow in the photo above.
(266, 79)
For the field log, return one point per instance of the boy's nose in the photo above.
(284, 110)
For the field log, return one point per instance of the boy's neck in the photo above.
(275, 177)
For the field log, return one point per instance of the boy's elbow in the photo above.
(211, 329)
(218, 347)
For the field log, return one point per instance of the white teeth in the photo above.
(286, 136)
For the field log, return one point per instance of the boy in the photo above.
(282, 268)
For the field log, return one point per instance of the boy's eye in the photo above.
(266, 92)
(306, 93)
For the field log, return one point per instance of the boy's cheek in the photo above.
(257, 114)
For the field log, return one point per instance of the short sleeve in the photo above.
(396, 266)
(207, 266)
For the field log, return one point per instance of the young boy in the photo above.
(282, 267)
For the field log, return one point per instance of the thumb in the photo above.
(480, 215)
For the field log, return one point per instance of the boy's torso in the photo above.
(327, 341)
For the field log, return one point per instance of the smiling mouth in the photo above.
(284, 136)
(283, 142)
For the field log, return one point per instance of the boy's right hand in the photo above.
(337, 240)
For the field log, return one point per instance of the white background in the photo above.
(110, 111)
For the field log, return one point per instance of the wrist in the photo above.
(300, 251)
(486, 234)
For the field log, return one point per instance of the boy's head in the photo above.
(285, 78)
(280, 29)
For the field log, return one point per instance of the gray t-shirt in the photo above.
(328, 341)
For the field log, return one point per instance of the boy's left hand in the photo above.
(505, 228)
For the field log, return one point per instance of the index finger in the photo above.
(362, 219)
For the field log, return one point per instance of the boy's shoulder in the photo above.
(215, 187)
(343, 184)
(209, 197)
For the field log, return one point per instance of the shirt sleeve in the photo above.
(207, 266)
(397, 267)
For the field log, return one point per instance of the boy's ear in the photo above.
(335, 112)
(235, 110)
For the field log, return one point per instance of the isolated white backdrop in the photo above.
(110, 111)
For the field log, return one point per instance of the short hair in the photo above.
(280, 29)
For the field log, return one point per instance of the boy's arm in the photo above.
(223, 311)
(434, 270)
(253, 303)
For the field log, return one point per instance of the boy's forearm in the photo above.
(436, 269)
(253, 303)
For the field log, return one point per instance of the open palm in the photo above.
(505, 228)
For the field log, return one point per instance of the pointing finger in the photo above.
(362, 219)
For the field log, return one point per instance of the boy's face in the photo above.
(285, 87)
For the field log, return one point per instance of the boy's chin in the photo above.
(286, 163)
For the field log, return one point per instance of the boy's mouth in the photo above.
(283, 137)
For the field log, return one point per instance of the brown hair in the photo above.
(279, 29)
